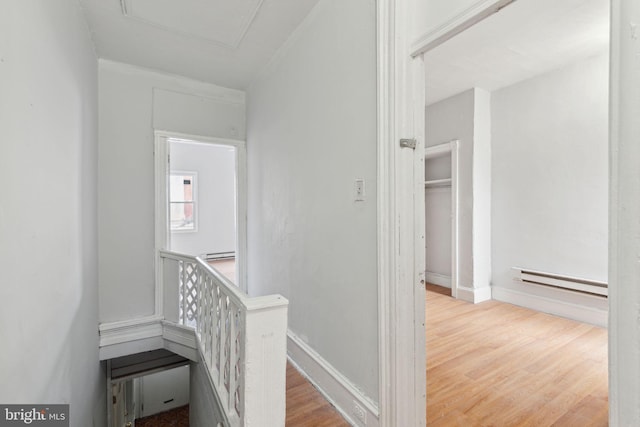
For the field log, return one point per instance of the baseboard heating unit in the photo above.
(585, 286)
(220, 255)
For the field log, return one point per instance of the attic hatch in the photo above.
(221, 22)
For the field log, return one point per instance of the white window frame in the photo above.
(194, 174)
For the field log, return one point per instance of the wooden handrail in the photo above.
(235, 332)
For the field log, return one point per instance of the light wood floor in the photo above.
(489, 364)
(495, 364)
(226, 267)
(306, 407)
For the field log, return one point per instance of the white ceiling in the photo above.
(225, 42)
(525, 39)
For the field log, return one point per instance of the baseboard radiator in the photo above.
(574, 284)
(220, 256)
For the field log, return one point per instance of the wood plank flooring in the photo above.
(495, 364)
(178, 417)
(306, 407)
(490, 364)
(226, 267)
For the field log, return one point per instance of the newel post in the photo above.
(265, 361)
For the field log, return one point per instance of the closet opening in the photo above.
(441, 216)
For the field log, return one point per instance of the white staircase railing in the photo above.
(242, 340)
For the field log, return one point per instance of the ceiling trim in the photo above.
(457, 24)
(126, 6)
(189, 86)
(217, 98)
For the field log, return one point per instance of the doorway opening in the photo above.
(533, 79)
(202, 202)
(201, 208)
(441, 216)
(147, 389)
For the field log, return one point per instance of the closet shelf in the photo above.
(437, 182)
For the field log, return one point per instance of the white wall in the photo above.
(134, 102)
(438, 234)
(482, 190)
(48, 238)
(164, 390)
(550, 176)
(311, 132)
(216, 198)
(438, 167)
(203, 407)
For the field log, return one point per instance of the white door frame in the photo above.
(624, 205)
(451, 147)
(401, 208)
(162, 234)
(624, 211)
(400, 192)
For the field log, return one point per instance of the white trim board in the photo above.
(465, 19)
(400, 242)
(438, 279)
(624, 210)
(568, 310)
(180, 340)
(130, 330)
(337, 389)
(386, 211)
(179, 334)
(181, 84)
(474, 295)
(145, 334)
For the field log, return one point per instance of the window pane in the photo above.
(181, 188)
(181, 216)
(182, 201)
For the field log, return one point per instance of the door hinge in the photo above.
(408, 143)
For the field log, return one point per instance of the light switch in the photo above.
(359, 190)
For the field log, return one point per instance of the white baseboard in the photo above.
(179, 334)
(337, 389)
(569, 310)
(474, 295)
(438, 279)
(144, 334)
(130, 330)
(180, 340)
